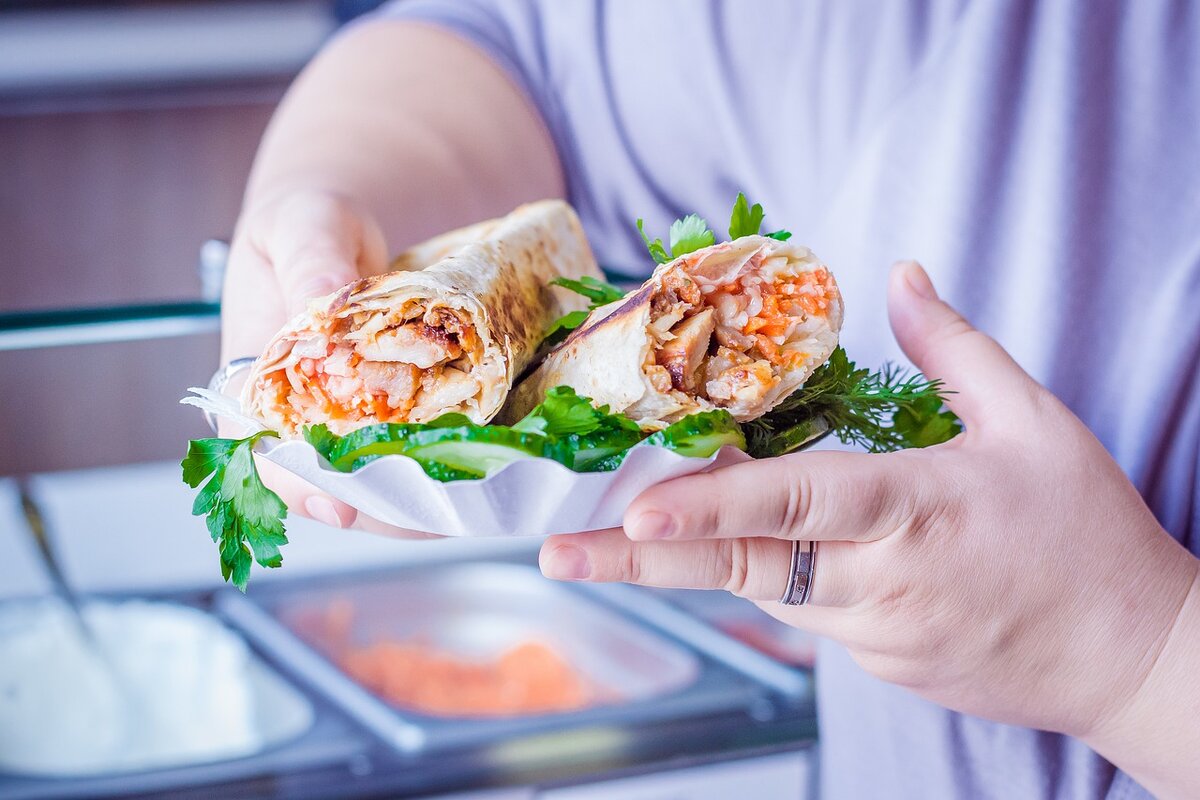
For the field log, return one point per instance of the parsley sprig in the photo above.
(686, 235)
(746, 220)
(244, 517)
(692, 233)
(879, 411)
(596, 291)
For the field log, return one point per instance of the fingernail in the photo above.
(320, 509)
(566, 563)
(652, 525)
(918, 280)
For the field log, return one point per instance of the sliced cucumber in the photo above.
(608, 464)
(479, 450)
(590, 450)
(348, 453)
(440, 472)
(700, 435)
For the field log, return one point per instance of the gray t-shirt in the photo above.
(1042, 159)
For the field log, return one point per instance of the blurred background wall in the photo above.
(126, 134)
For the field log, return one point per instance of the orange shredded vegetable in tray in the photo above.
(529, 678)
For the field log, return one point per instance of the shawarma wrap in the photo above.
(738, 325)
(448, 333)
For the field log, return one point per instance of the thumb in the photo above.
(942, 344)
(318, 243)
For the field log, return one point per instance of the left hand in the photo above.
(1013, 572)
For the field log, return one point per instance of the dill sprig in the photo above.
(879, 411)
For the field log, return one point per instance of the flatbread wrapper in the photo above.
(449, 332)
(738, 325)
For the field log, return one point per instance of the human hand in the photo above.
(1013, 572)
(287, 251)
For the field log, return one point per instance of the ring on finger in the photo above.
(800, 574)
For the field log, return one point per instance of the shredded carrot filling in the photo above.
(809, 293)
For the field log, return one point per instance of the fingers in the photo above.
(305, 500)
(252, 309)
(823, 495)
(316, 243)
(942, 344)
(369, 524)
(287, 252)
(757, 569)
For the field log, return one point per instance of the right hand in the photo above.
(287, 251)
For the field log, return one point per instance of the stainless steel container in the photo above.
(477, 610)
(742, 620)
(299, 731)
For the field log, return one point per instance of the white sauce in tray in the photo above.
(182, 692)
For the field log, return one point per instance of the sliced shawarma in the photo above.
(449, 332)
(738, 325)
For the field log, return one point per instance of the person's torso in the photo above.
(1041, 159)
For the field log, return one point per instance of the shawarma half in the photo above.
(738, 325)
(449, 331)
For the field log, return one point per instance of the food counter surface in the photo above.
(370, 667)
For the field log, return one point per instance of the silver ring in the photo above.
(800, 576)
(220, 380)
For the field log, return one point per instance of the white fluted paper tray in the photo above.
(531, 497)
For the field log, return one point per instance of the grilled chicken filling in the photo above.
(726, 343)
(379, 366)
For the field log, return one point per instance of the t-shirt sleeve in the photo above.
(607, 91)
(550, 51)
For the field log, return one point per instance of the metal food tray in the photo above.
(684, 617)
(778, 641)
(327, 739)
(479, 607)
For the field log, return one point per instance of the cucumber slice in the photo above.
(610, 463)
(480, 450)
(365, 444)
(700, 435)
(591, 450)
(440, 472)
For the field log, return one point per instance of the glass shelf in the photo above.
(30, 330)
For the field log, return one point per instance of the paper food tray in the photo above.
(531, 497)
